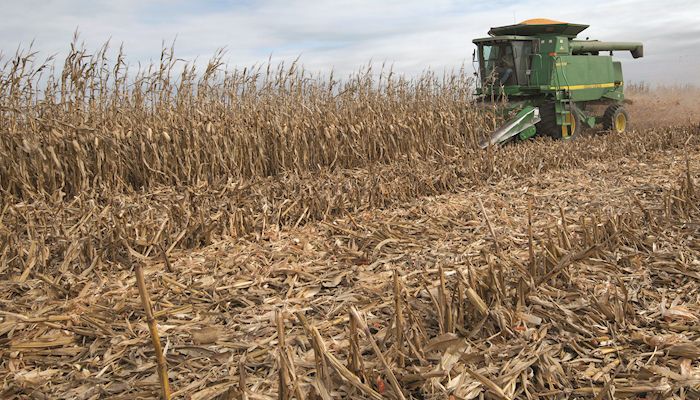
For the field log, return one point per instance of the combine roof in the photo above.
(539, 26)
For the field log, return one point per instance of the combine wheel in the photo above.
(548, 125)
(615, 119)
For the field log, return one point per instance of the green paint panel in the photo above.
(586, 78)
(528, 133)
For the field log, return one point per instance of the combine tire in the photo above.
(548, 124)
(615, 119)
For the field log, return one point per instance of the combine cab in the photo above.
(554, 83)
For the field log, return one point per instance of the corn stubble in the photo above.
(301, 237)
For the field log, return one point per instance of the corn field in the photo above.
(89, 126)
(307, 236)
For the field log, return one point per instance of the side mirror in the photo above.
(474, 56)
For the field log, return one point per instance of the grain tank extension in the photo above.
(553, 83)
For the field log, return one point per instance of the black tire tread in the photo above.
(548, 124)
(548, 121)
(610, 113)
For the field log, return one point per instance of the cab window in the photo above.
(505, 63)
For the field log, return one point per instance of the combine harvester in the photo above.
(553, 82)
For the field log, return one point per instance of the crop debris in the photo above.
(310, 237)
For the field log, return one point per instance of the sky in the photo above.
(345, 35)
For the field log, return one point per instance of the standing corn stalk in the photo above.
(146, 301)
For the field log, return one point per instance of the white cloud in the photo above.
(344, 35)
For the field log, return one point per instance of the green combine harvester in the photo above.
(553, 83)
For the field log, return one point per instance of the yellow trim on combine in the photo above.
(568, 130)
(620, 123)
(579, 87)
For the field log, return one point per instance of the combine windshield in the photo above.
(505, 63)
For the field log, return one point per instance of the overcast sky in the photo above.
(413, 35)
